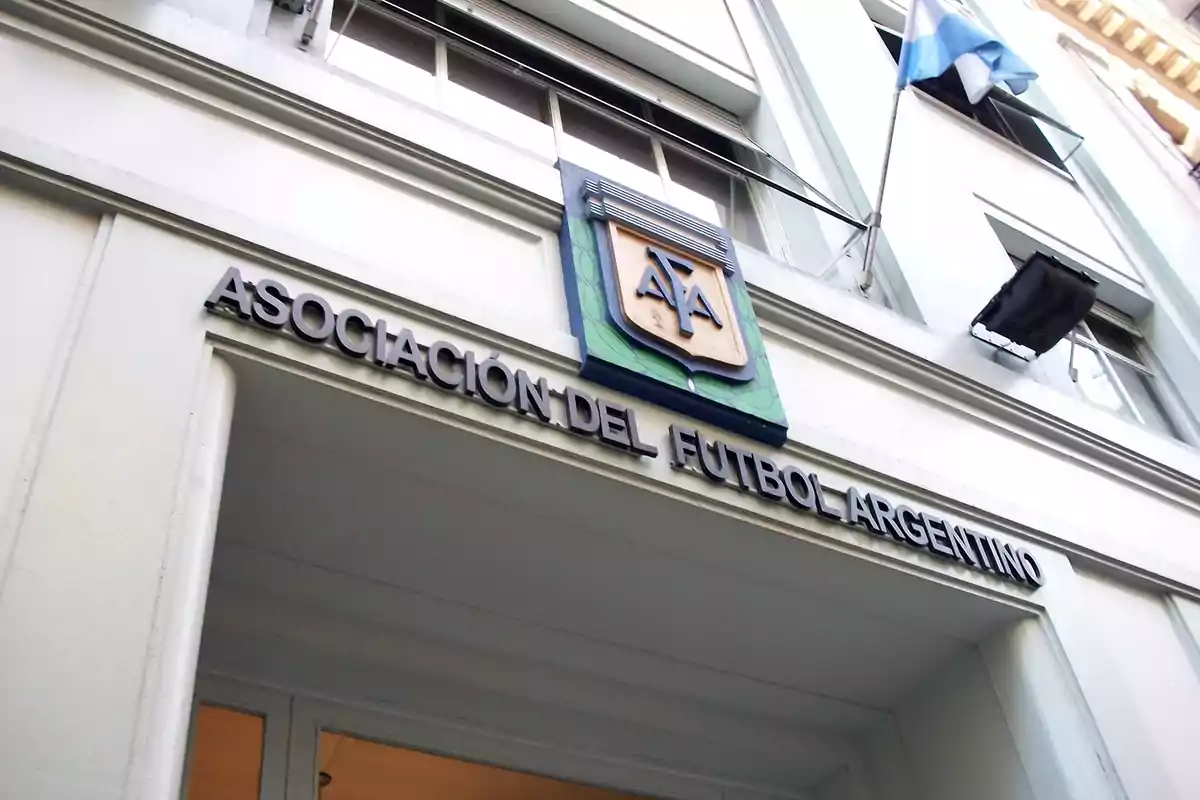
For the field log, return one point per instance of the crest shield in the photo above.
(682, 302)
(668, 282)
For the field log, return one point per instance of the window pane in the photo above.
(501, 103)
(1095, 382)
(349, 768)
(893, 42)
(538, 59)
(226, 758)
(698, 188)
(615, 151)
(743, 223)
(385, 52)
(1115, 339)
(341, 9)
(712, 195)
(696, 134)
(1144, 394)
(1023, 130)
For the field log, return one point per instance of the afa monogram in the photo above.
(685, 301)
(660, 309)
(676, 302)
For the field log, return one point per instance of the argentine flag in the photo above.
(939, 33)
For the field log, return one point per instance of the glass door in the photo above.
(225, 762)
(250, 742)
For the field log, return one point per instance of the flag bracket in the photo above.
(875, 218)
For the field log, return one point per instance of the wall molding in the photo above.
(16, 497)
(37, 178)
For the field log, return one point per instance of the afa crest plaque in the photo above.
(660, 309)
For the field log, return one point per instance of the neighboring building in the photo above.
(1150, 50)
(466, 399)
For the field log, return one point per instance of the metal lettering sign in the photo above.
(660, 309)
(310, 319)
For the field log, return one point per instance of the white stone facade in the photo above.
(146, 146)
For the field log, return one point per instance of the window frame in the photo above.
(294, 718)
(1178, 418)
(1105, 355)
(809, 195)
(650, 127)
(459, 739)
(605, 67)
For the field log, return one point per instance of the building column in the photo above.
(1045, 716)
(1073, 712)
(102, 600)
(163, 726)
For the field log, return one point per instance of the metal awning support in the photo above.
(1004, 98)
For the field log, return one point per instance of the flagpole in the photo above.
(875, 220)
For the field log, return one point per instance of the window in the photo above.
(713, 195)
(394, 56)
(1111, 369)
(225, 762)
(516, 110)
(391, 51)
(1008, 122)
(600, 143)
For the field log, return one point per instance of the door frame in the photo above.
(275, 707)
(293, 722)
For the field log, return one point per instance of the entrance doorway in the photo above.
(397, 600)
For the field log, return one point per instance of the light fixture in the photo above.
(1036, 307)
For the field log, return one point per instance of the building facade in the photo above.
(472, 399)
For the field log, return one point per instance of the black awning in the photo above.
(1036, 307)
